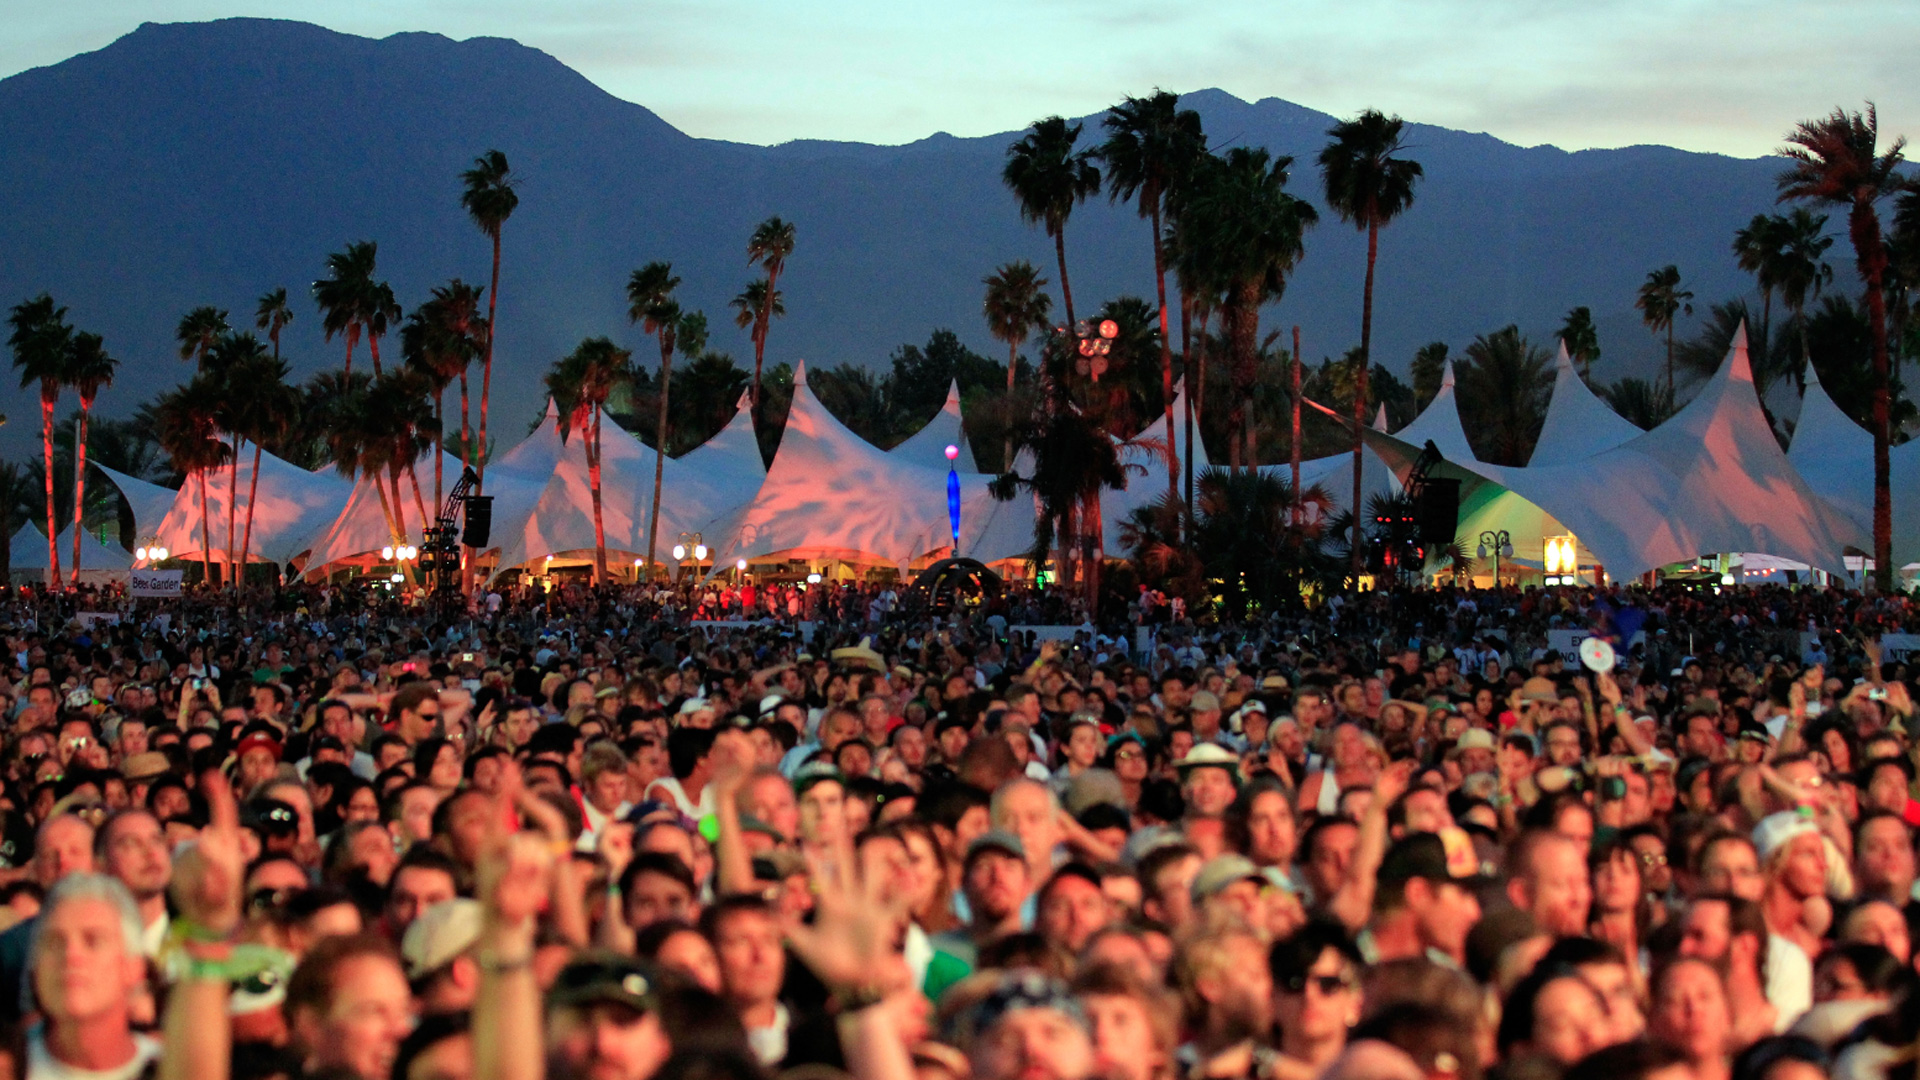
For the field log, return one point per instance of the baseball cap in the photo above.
(441, 933)
(602, 977)
(258, 740)
(1776, 831)
(1222, 871)
(996, 840)
(1024, 990)
(1447, 855)
(819, 772)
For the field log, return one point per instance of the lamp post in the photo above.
(691, 543)
(150, 550)
(1501, 544)
(953, 496)
(1095, 343)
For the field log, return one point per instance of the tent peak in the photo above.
(1740, 368)
(1562, 358)
(1446, 373)
(800, 373)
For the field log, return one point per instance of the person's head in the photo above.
(1727, 931)
(1690, 1014)
(414, 712)
(1260, 823)
(1547, 879)
(746, 936)
(1728, 864)
(1555, 1013)
(688, 750)
(1883, 861)
(84, 959)
(1072, 906)
(1228, 988)
(995, 877)
(671, 945)
(1792, 854)
(424, 878)
(655, 886)
(1428, 879)
(1877, 922)
(1133, 1022)
(1208, 789)
(1316, 984)
(348, 1006)
(132, 847)
(1028, 809)
(1028, 1028)
(603, 1021)
(603, 771)
(821, 798)
(1166, 880)
(63, 846)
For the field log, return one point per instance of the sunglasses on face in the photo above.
(1327, 984)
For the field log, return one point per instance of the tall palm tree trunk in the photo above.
(1166, 355)
(351, 335)
(253, 493)
(1360, 397)
(1186, 369)
(660, 448)
(80, 483)
(593, 485)
(1092, 526)
(1060, 254)
(373, 346)
(233, 508)
(439, 444)
(1865, 227)
(1200, 388)
(396, 520)
(206, 536)
(419, 502)
(53, 521)
(1066, 545)
(760, 332)
(474, 458)
(1293, 452)
(400, 518)
(1013, 362)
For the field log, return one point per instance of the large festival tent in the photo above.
(1835, 456)
(1712, 479)
(27, 554)
(831, 495)
(362, 526)
(928, 446)
(149, 502)
(290, 505)
(1143, 459)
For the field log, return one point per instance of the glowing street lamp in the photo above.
(953, 494)
(1095, 342)
(1501, 544)
(1561, 560)
(151, 550)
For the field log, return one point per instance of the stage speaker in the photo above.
(479, 527)
(1437, 512)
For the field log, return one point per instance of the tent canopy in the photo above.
(290, 506)
(28, 551)
(1439, 423)
(1835, 456)
(1578, 425)
(928, 446)
(150, 502)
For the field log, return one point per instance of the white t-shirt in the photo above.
(770, 1043)
(671, 786)
(42, 1065)
(1789, 981)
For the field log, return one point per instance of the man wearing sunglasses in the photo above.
(1316, 993)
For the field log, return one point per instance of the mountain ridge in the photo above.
(194, 163)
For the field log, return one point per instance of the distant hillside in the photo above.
(201, 163)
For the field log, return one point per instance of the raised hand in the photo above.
(853, 942)
(208, 875)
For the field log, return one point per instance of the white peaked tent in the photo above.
(832, 495)
(538, 454)
(361, 525)
(1835, 456)
(1145, 461)
(1578, 425)
(150, 502)
(291, 506)
(28, 552)
(928, 446)
(1439, 423)
(562, 518)
(1334, 475)
(1380, 418)
(1711, 479)
(517, 479)
(722, 475)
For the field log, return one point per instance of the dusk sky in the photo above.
(1719, 75)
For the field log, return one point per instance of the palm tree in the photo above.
(1660, 299)
(580, 383)
(1837, 160)
(89, 370)
(769, 246)
(1199, 298)
(489, 198)
(17, 491)
(1643, 402)
(1251, 233)
(756, 307)
(187, 428)
(346, 295)
(197, 332)
(650, 302)
(1582, 339)
(273, 315)
(1802, 270)
(1049, 178)
(42, 344)
(1015, 307)
(1756, 249)
(382, 312)
(441, 339)
(1503, 387)
(1368, 186)
(1152, 146)
(267, 409)
(234, 359)
(1429, 370)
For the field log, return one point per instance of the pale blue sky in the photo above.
(1720, 75)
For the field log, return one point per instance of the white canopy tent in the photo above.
(928, 446)
(291, 505)
(27, 552)
(1578, 425)
(150, 502)
(1835, 456)
(1439, 423)
(362, 525)
(1711, 479)
(832, 495)
(1144, 459)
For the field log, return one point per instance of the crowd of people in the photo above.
(591, 835)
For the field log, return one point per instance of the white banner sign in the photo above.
(154, 582)
(1898, 648)
(1566, 643)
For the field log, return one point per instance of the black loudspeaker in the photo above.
(1437, 512)
(479, 528)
